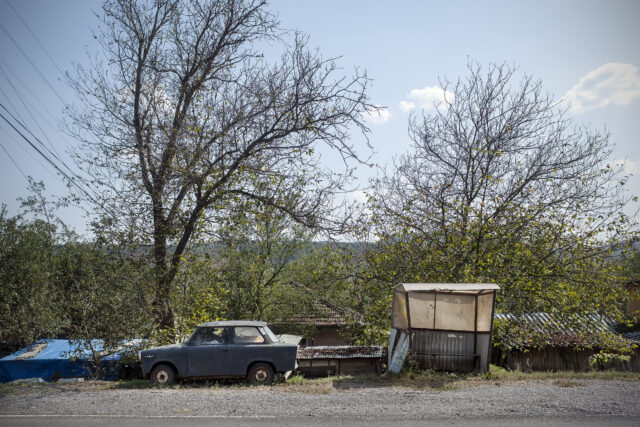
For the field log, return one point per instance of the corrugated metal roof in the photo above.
(632, 336)
(557, 331)
(340, 352)
(323, 314)
(424, 287)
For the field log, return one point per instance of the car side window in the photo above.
(247, 335)
(209, 336)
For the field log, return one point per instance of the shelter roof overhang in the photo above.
(447, 287)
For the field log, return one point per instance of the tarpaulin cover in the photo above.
(58, 359)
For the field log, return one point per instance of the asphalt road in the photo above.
(193, 421)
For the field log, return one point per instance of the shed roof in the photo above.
(323, 314)
(632, 336)
(558, 332)
(447, 287)
(226, 323)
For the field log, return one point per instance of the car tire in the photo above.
(163, 375)
(260, 374)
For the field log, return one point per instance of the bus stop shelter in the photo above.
(444, 326)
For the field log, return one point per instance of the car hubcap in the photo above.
(261, 375)
(162, 377)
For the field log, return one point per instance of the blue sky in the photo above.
(585, 50)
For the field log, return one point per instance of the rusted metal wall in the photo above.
(450, 351)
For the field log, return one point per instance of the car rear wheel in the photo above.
(260, 374)
(163, 375)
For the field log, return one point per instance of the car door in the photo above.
(248, 345)
(208, 353)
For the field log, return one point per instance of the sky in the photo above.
(585, 52)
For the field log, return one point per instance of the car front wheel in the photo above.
(163, 375)
(260, 374)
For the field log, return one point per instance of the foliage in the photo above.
(198, 297)
(500, 187)
(55, 285)
(184, 116)
(102, 299)
(28, 296)
(259, 244)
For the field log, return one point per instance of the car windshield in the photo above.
(270, 334)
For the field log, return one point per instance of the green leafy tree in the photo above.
(55, 285)
(29, 300)
(198, 297)
(102, 299)
(259, 244)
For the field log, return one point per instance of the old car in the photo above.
(224, 349)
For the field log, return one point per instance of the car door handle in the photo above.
(225, 349)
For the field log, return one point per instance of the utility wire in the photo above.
(4, 30)
(51, 162)
(28, 152)
(39, 141)
(21, 98)
(36, 38)
(10, 103)
(26, 87)
(13, 161)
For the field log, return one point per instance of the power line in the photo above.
(28, 152)
(10, 103)
(13, 161)
(22, 125)
(36, 38)
(38, 140)
(20, 97)
(4, 30)
(26, 87)
(51, 162)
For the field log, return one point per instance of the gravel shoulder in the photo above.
(332, 399)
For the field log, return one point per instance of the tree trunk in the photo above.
(163, 278)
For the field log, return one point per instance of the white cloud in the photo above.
(407, 106)
(612, 83)
(427, 98)
(377, 115)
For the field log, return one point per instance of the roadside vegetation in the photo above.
(209, 200)
(415, 380)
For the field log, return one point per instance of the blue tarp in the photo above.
(57, 360)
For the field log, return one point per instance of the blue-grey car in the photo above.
(225, 349)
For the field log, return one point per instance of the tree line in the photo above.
(204, 151)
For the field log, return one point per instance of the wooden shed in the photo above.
(561, 344)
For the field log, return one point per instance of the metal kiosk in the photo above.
(445, 326)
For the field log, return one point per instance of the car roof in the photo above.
(224, 323)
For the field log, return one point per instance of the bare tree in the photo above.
(184, 115)
(494, 160)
